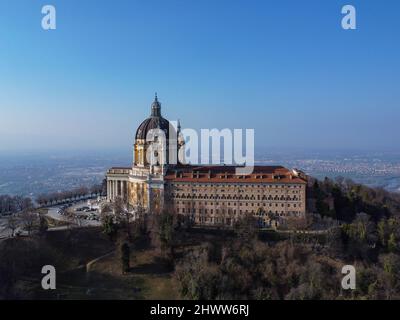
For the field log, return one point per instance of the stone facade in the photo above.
(217, 196)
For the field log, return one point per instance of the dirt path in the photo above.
(92, 262)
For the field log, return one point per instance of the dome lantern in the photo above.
(155, 121)
(156, 107)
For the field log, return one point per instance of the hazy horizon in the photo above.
(33, 173)
(215, 64)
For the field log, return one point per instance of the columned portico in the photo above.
(108, 190)
(117, 183)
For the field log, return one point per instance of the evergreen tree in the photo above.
(43, 225)
(382, 231)
(392, 244)
(109, 226)
(125, 251)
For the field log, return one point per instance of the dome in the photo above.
(150, 124)
(155, 121)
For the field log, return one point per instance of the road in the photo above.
(4, 231)
(54, 213)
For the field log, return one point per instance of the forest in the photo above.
(357, 225)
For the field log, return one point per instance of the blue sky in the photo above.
(285, 68)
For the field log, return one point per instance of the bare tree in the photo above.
(28, 220)
(106, 208)
(73, 218)
(14, 204)
(96, 189)
(122, 215)
(12, 224)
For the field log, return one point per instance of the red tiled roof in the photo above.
(226, 174)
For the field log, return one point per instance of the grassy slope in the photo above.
(148, 278)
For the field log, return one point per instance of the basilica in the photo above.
(209, 195)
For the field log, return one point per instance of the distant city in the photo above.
(375, 169)
(34, 174)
